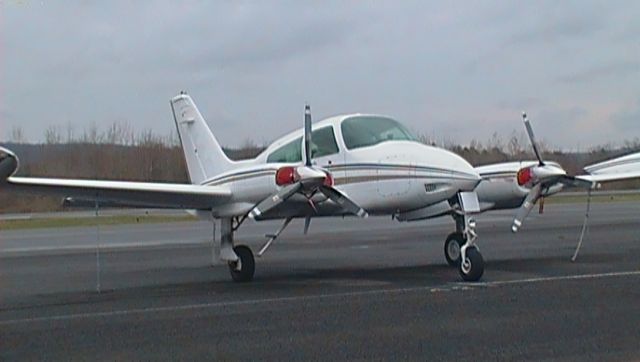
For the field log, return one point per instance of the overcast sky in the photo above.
(454, 69)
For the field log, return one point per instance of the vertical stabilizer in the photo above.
(205, 158)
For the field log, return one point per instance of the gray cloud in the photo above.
(441, 68)
(628, 120)
(619, 70)
(559, 28)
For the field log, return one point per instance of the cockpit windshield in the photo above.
(363, 131)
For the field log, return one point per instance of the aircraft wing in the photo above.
(139, 194)
(607, 177)
(123, 193)
(629, 164)
(621, 168)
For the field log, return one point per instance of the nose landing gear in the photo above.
(472, 268)
(452, 247)
(460, 249)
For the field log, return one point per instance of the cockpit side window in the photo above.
(323, 144)
(291, 152)
(363, 131)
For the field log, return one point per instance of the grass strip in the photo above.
(573, 199)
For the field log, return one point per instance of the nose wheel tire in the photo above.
(243, 269)
(472, 267)
(452, 248)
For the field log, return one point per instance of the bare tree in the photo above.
(515, 146)
(495, 143)
(70, 135)
(17, 134)
(52, 135)
(119, 134)
(92, 135)
(173, 140)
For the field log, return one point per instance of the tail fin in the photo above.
(205, 158)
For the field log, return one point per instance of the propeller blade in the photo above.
(272, 201)
(532, 138)
(342, 200)
(306, 143)
(526, 207)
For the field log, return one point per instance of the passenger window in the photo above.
(324, 144)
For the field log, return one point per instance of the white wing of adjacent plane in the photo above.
(608, 177)
(140, 194)
(621, 168)
(629, 165)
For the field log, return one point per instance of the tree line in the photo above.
(119, 153)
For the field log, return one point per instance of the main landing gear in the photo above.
(240, 259)
(243, 269)
(460, 249)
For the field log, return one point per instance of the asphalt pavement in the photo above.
(351, 289)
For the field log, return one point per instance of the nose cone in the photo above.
(466, 175)
(463, 176)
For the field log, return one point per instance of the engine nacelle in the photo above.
(8, 164)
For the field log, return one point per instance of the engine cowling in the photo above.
(549, 172)
(8, 164)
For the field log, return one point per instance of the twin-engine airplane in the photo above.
(355, 164)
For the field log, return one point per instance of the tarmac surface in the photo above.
(351, 289)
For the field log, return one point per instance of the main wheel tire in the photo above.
(247, 265)
(452, 248)
(473, 266)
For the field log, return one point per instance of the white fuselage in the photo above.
(387, 178)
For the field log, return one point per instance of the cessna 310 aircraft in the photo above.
(355, 164)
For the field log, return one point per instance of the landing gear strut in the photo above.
(239, 258)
